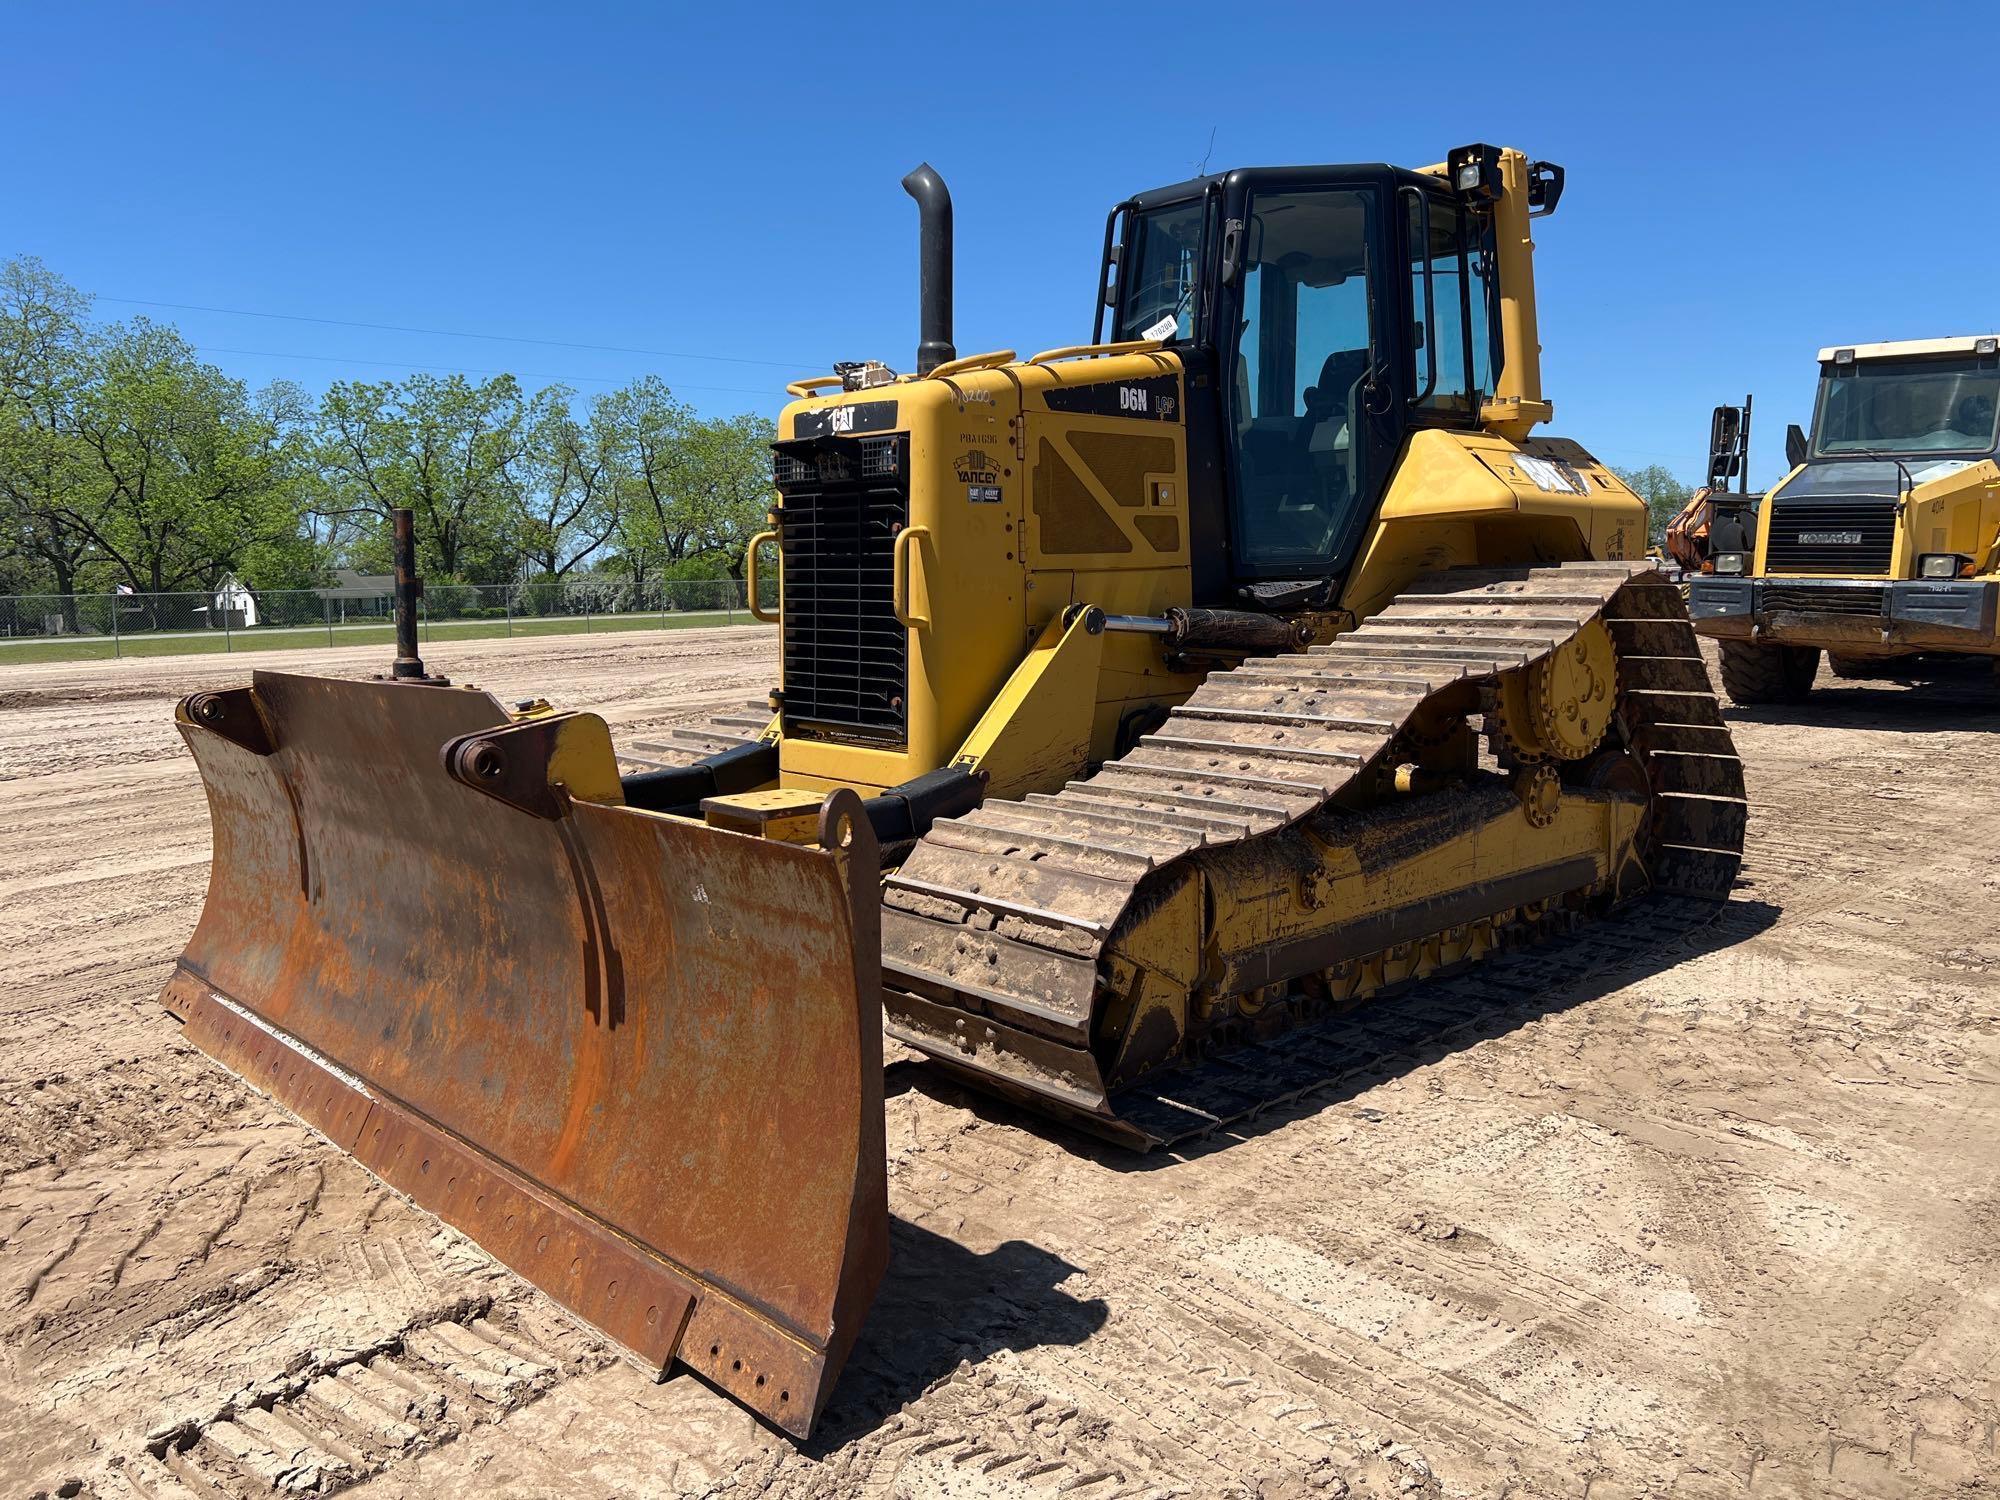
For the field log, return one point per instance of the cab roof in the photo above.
(1912, 348)
(1194, 187)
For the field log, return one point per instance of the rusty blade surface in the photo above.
(636, 1058)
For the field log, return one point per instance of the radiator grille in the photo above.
(845, 657)
(1826, 536)
(1822, 599)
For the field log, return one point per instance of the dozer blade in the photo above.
(636, 1058)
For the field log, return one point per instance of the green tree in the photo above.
(728, 483)
(48, 359)
(449, 449)
(294, 556)
(1664, 495)
(188, 465)
(697, 489)
(124, 456)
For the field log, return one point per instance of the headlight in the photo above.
(1941, 564)
(1728, 562)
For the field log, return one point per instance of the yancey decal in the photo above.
(980, 474)
(974, 467)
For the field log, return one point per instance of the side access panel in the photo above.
(635, 1058)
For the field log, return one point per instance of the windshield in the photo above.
(1157, 273)
(1908, 406)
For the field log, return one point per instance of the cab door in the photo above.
(1311, 364)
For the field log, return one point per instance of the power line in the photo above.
(453, 333)
(397, 364)
(738, 390)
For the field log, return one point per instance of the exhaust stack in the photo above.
(409, 665)
(934, 259)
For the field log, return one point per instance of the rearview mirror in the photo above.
(1232, 250)
(1725, 446)
(1723, 428)
(1795, 445)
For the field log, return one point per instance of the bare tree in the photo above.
(448, 449)
(568, 505)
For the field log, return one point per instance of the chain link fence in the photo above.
(84, 627)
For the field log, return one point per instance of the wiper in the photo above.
(1185, 298)
(1902, 469)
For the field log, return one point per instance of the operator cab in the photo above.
(1321, 313)
(1887, 418)
(1921, 401)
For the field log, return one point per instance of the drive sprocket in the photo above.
(1557, 708)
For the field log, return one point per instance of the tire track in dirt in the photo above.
(188, 1276)
(1594, 1317)
(1724, 1224)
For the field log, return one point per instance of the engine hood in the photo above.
(1866, 478)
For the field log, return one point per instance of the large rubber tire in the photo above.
(1768, 674)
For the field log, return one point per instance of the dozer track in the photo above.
(687, 744)
(1007, 933)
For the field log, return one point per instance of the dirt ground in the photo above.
(1719, 1221)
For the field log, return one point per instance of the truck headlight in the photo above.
(1941, 564)
(1728, 562)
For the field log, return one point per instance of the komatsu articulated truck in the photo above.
(1881, 547)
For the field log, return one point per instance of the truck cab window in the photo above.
(1300, 374)
(1934, 405)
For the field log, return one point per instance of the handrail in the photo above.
(899, 579)
(1104, 287)
(750, 578)
(804, 388)
(967, 362)
(1091, 351)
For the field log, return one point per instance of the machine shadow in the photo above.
(941, 1303)
(1959, 701)
(1599, 964)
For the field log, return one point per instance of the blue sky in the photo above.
(1746, 183)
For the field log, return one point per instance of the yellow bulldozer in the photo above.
(1881, 546)
(1141, 701)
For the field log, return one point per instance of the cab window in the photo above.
(1301, 366)
(1158, 274)
(1935, 405)
(1451, 331)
